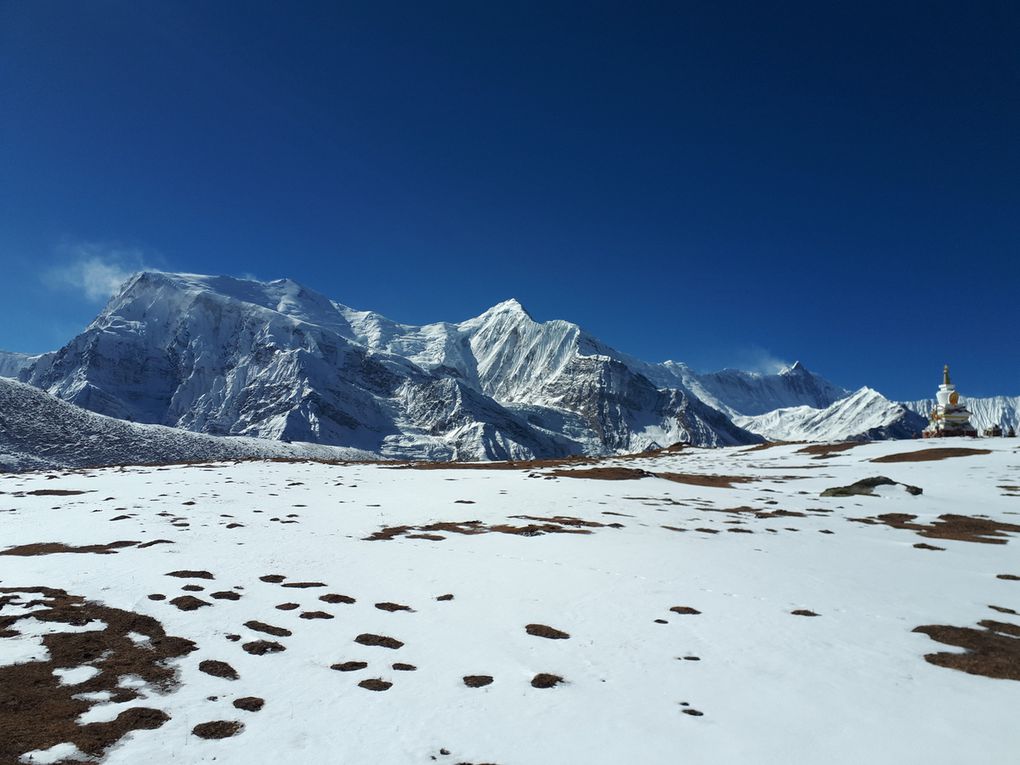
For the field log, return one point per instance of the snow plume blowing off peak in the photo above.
(227, 356)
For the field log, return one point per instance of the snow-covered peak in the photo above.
(864, 414)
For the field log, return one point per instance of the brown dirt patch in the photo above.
(191, 574)
(711, 481)
(1003, 610)
(803, 612)
(218, 669)
(272, 578)
(993, 651)
(37, 712)
(477, 681)
(865, 488)
(54, 492)
(447, 596)
(687, 610)
(379, 640)
(544, 631)
(193, 588)
(249, 703)
(605, 473)
(824, 450)
(375, 684)
(316, 615)
(189, 603)
(553, 525)
(391, 607)
(288, 606)
(53, 548)
(303, 585)
(404, 667)
(930, 455)
(349, 666)
(225, 595)
(545, 680)
(335, 598)
(960, 527)
(926, 546)
(1008, 577)
(218, 729)
(262, 647)
(268, 629)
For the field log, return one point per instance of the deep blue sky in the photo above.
(720, 183)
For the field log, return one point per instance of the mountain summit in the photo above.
(277, 360)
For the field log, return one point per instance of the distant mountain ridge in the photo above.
(277, 360)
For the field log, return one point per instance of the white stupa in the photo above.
(949, 417)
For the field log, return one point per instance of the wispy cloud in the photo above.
(97, 270)
(757, 359)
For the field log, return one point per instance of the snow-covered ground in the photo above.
(849, 685)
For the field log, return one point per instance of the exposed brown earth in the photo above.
(53, 548)
(262, 647)
(218, 729)
(391, 607)
(822, 451)
(349, 666)
(288, 606)
(545, 680)
(993, 651)
(960, 527)
(189, 603)
(605, 473)
(249, 703)
(334, 598)
(544, 631)
(553, 525)
(926, 546)
(685, 610)
(400, 667)
(37, 712)
(225, 595)
(1008, 577)
(191, 574)
(269, 629)
(448, 596)
(316, 615)
(865, 488)
(477, 681)
(272, 578)
(378, 640)
(53, 492)
(218, 669)
(375, 684)
(930, 455)
(303, 585)
(803, 612)
(712, 481)
(1003, 610)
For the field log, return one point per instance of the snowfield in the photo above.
(354, 600)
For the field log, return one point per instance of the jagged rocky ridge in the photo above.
(276, 360)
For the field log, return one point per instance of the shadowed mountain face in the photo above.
(276, 360)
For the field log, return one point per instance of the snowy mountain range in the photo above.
(276, 360)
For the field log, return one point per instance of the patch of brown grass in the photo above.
(993, 651)
(931, 455)
(37, 712)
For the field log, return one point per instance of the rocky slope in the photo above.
(38, 430)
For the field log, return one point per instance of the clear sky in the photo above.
(727, 184)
